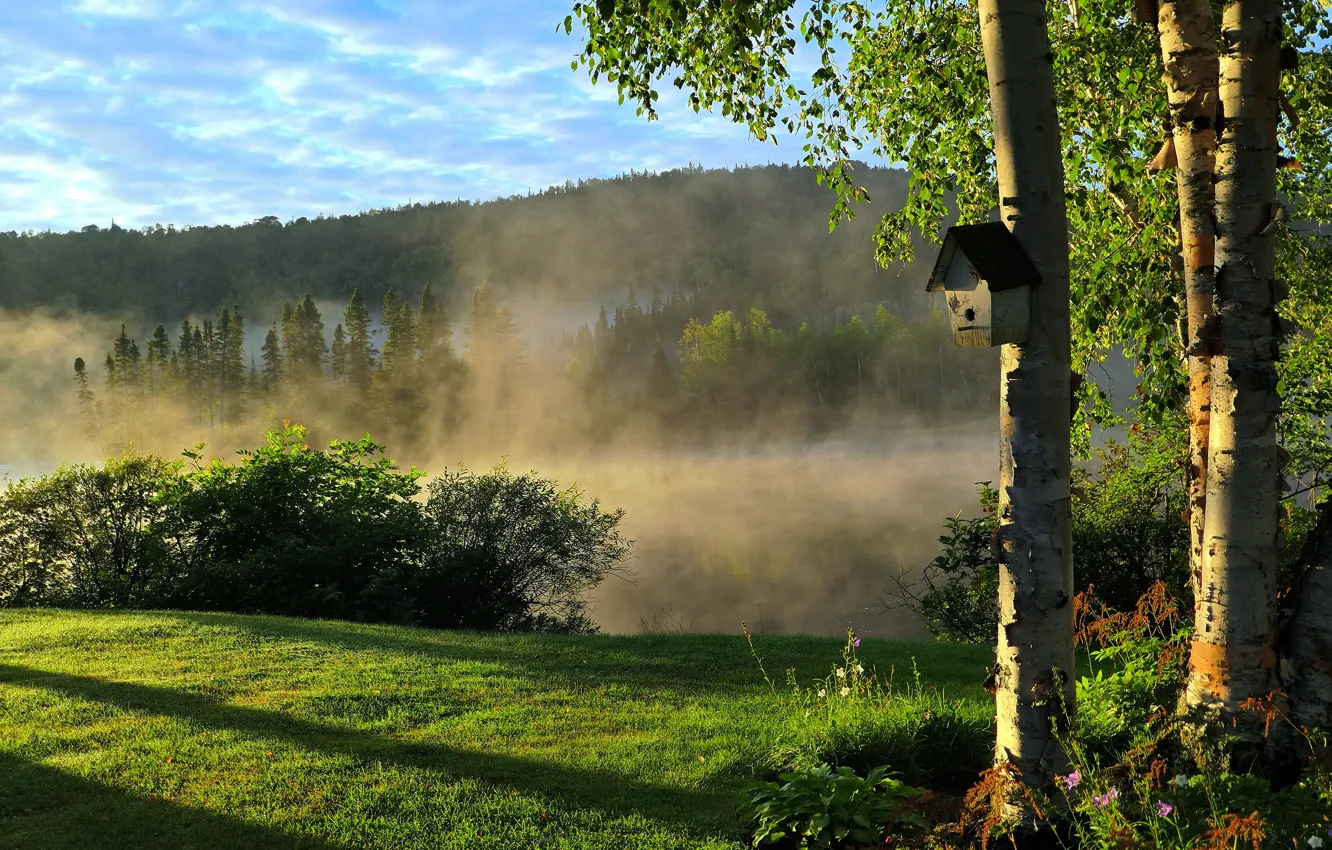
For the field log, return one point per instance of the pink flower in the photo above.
(856, 642)
(1163, 808)
(1072, 780)
(1103, 800)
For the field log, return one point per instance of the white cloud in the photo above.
(209, 111)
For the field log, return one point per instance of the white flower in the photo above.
(845, 691)
(822, 693)
(1315, 842)
(860, 668)
(841, 672)
(1181, 780)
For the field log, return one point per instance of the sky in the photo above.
(191, 112)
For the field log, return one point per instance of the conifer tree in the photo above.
(434, 339)
(360, 349)
(272, 355)
(339, 354)
(159, 354)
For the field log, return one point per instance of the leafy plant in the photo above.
(513, 553)
(297, 531)
(822, 808)
(86, 537)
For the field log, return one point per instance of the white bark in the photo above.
(1233, 655)
(1188, 51)
(1035, 646)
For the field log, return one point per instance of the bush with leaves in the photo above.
(297, 531)
(87, 537)
(513, 553)
(1129, 532)
(822, 808)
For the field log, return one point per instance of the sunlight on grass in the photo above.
(181, 730)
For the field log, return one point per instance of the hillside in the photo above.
(177, 730)
(756, 235)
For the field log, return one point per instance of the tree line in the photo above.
(646, 361)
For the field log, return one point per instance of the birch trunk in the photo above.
(1188, 51)
(1233, 653)
(1034, 675)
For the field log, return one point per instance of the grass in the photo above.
(178, 730)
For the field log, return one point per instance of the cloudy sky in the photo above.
(222, 111)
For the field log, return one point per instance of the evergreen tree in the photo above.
(272, 354)
(159, 354)
(434, 334)
(339, 354)
(360, 353)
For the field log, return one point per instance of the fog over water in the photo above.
(788, 536)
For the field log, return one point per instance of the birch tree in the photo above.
(735, 56)
(1233, 657)
(1187, 34)
(1034, 654)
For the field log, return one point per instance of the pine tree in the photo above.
(159, 354)
(360, 350)
(434, 334)
(339, 354)
(273, 367)
(87, 400)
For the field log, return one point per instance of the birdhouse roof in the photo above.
(993, 252)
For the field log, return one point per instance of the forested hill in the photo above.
(748, 236)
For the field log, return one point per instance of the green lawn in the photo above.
(177, 730)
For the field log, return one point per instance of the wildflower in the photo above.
(841, 672)
(1315, 842)
(1103, 800)
(1181, 780)
(822, 693)
(856, 642)
(1163, 808)
(1072, 780)
(860, 668)
(845, 691)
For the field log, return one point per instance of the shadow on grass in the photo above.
(685, 663)
(613, 793)
(42, 808)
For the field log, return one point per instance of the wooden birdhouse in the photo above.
(986, 279)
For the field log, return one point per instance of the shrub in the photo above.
(513, 553)
(1129, 532)
(296, 531)
(821, 808)
(85, 537)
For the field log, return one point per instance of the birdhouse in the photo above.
(986, 279)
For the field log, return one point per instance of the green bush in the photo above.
(85, 537)
(822, 808)
(513, 553)
(296, 531)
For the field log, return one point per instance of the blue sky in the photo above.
(222, 111)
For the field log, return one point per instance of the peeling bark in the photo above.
(1033, 684)
(1189, 55)
(1233, 656)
